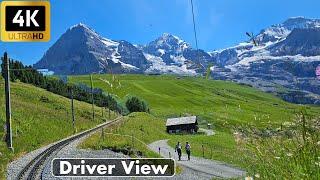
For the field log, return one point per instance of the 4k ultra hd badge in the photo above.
(25, 21)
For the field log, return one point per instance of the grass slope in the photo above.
(141, 125)
(226, 105)
(218, 102)
(37, 121)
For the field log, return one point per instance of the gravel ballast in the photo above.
(71, 151)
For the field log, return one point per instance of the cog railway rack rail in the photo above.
(32, 170)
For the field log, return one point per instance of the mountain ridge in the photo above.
(281, 49)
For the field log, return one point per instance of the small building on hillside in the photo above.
(182, 124)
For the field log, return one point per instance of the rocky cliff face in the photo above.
(80, 50)
(305, 42)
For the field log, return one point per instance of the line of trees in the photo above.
(27, 74)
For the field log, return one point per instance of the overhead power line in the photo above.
(194, 25)
(195, 34)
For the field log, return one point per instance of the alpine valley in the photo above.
(283, 61)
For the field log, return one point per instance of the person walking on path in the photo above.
(178, 149)
(188, 150)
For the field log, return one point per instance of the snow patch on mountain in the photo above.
(161, 51)
(181, 60)
(109, 42)
(299, 58)
(128, 66)
(159, 66)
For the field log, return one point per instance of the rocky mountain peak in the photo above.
(81, 26)
(166, 43)
(300, 23)
(169, 39)
(84, 29)
(280, 31)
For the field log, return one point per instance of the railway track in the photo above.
(33, 169)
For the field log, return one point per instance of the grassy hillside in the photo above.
(39, 118)
(218, 102)
(147, 128)
(226, 105)
(141, 125)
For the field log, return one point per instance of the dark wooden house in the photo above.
(182, 124)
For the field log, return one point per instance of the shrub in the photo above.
(135, 104)
(44, 99)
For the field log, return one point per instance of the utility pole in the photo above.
(72, 111)
(109, 105)
(8, 102)
(92, 97)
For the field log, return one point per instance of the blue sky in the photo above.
(220, 23)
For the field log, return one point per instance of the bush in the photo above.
(135, 104)
(44, 99)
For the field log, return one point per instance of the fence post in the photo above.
(72, 110)
(202, 150)
(102, 134)
(132, 140)
(105, 109)
(8, 101)
(102, 112)
(92, 97)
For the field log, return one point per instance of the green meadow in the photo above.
(228, 106)
(224, 104)
(38, 119)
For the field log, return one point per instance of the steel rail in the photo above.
(31, 169)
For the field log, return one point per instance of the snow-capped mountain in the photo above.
(166, 55)
(295, 28)
(80, 50)
(286, 56)
(170, 54)
(280, 31)
(283, 60)
(166, 43)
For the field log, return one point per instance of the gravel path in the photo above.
(209, 167)
(71, 151)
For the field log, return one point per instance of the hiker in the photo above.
(178, 149)
(188, 150)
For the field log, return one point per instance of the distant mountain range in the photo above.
(283, 62)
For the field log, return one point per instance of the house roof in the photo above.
(181, 120)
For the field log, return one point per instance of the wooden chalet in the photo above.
(182, 124)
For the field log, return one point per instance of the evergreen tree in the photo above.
(27, 74)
